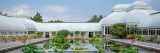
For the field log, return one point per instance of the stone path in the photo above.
(17, 44)
(147, 45)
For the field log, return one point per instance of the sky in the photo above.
(66, 10)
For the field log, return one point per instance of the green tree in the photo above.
(37, 17)
(51, 21)
(63, 33)
(96, 18)
(1, 12)
(119, 30)
(56, 21)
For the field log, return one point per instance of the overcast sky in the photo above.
(66, 10)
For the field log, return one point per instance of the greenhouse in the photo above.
(136, 14)
(128, 28)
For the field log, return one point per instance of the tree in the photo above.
(96, 18)
(100, 17)
(51, 21)
(56, 21)
(119, 30)
(37, 17)
(1, 12)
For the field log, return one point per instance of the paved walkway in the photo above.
(147, 45)
(10, 45)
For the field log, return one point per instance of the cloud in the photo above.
(21, 10)
(54, 12)
(55, 9)
(67, 18)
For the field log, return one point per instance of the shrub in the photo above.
(46, 45)
(39, 35)
(63, 33)
(141, 38)
(83, 33)
(13, 38)
(53, 33)
(119, 30)
(4, 38)
(23, 38)
(77, 32)
(133, 30)
(158, 39)
(131, 36)
(30, 49)
(59, 39)
(154, 38)
(101, 50)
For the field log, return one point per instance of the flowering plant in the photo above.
(131, 36)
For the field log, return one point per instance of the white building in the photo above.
(136, 14)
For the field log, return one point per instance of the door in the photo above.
(46, 34)
(90, 34)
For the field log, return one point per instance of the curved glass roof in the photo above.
(136, 15)
(113, 18)
(15, 24)
(153, 21)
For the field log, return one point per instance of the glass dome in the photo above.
(14, 24)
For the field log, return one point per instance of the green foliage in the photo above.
(79, 40)
(133, 30)
(39, 34)
(30, 49)
(101, 50)
(59, 39)
(119, 30)
(54, 33)
(63, 33)
(154, 38)
(4, 38)
(13, 38)
(60, 42)
(77, 32)
(83, 33)
(130, 50)
(47, 45)
(141, 38)
(116, 47)
(96, 40)
(56, 21)
(96, 18)
(37, 17)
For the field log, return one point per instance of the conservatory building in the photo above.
(138, 14)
